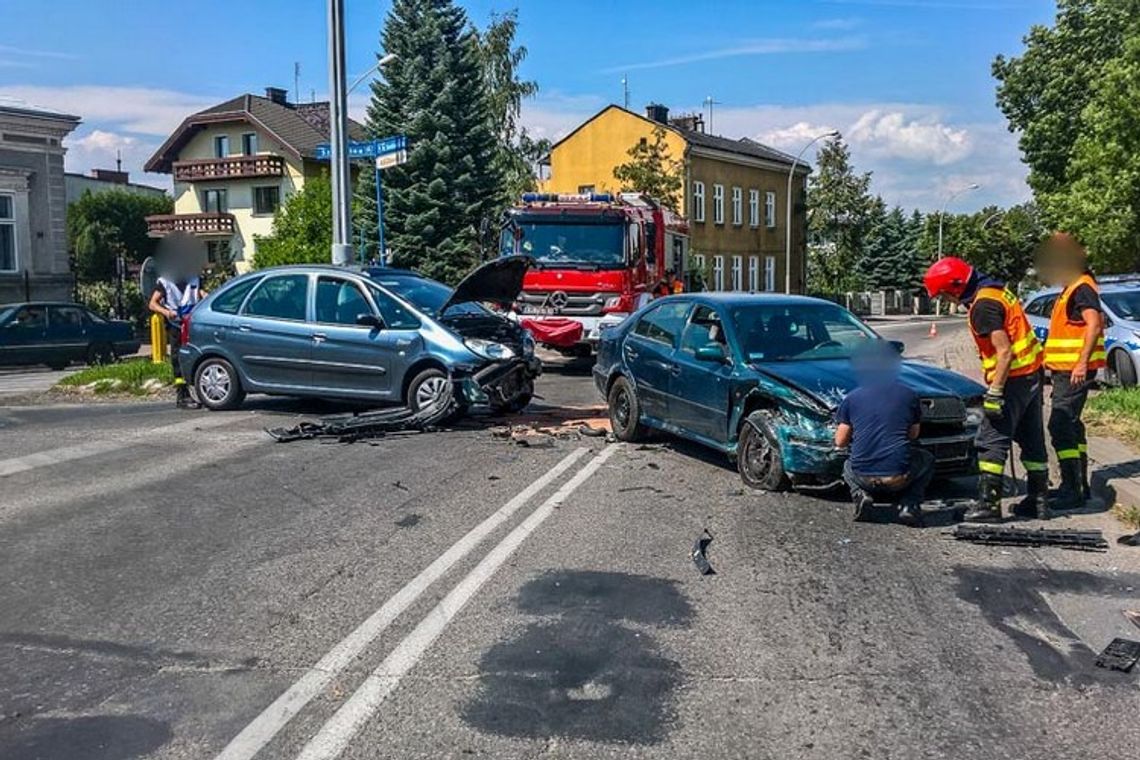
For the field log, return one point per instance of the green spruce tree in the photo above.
(435, 93)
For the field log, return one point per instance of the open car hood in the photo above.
(829, 380)
(499, 281)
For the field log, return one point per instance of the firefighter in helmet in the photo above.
(1074, 351)
(1011, 363)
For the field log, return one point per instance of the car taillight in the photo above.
(184, 331)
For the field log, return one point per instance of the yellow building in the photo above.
(233, 166)
(735, 192)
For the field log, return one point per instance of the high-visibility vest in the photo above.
(1026, 348)
(1066, 338)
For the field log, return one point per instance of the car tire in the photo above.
(425, 389)
(1124, 369)
(758, 456)
(625, 412)
(217, 385)
(100, 353)
(520, 402)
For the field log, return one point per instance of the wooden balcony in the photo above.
(231, 167)
(204, 224)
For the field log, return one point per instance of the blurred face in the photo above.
(1060, 260)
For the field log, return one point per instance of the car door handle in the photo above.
(631, 353)
(320, 337)
(245, 328)
(675, 370)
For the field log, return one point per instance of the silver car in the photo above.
(376, 335)
(1120, 299)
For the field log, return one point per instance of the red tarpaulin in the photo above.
(558, 332)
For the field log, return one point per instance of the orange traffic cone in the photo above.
(933, 330)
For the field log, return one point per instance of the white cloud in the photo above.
(838, 24)
(100, 148)
(553, 115)
(892, 134)
(36, 53)
(772, 46)
(143, 110)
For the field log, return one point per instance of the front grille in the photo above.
(943, 409)
(576, 304)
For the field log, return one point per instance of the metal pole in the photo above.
(942, 212)
(338, 139)
(380, 216)
(788, 203)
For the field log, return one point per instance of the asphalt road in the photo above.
(176, 585)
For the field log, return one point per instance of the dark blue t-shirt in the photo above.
(879, 417)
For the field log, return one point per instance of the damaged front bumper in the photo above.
(500, 382)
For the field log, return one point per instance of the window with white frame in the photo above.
(770, 209)
(753, 208)
(753, 274)
(8, 259)
(718, 204)
(770, 274)
(698, 201)
(718, 273)
(737, 204)
(738, 273)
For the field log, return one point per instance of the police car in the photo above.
(1120, 299)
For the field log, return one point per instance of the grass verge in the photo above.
(1115, 412)
(136, 377)
(1130, 516)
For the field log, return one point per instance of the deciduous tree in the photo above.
(101, 225)
(302, 228)
(652, 170)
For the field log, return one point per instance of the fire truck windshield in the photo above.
(567, 244)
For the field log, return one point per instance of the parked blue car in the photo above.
(758, 377)
(1120, 299)
(57, 334)
(378, 335)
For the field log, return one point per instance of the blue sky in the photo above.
(906, 81)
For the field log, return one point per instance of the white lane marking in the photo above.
(273, 718)
(91, 448)
(336, 734)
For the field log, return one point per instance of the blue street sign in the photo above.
(367, 148)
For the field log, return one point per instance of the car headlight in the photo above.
(528, 344)
(489, 349)
(974, 415)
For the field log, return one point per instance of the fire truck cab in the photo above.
(597, 258)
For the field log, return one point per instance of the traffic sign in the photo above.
(367, 148)
(388, 160)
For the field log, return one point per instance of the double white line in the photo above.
(335, 735)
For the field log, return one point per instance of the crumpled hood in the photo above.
(829, 380)
(499, 281)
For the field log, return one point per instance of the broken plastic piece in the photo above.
(699, 556)
(591, 432)
(1081, 540)
(1134, 616)
(348, 428)
(1133, 540)
(1120, 654)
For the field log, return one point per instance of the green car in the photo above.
(57, 334)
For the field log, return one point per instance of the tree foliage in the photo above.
(1044, 92)
(101, 225)
(839, 209)
(435, 92)
(1000, 242)
(651, 170)
(891, 258)
(302, 228)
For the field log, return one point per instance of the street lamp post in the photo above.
(788, 201)
(942, 212)
(338, 138)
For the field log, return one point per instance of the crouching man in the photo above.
(879, 422)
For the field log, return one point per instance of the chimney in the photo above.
(108, 175)
(277, 95)
(657, 112)
(691, 122)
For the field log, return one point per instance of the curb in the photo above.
(1114, 471)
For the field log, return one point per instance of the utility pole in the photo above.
(338, 138)
(296, 81)
(710, 103)
(788, 210)
(625, 91)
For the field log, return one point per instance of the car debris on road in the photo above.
(699, 554)
(1080, 540)
(1120, 654)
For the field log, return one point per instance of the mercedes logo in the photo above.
(558, 300)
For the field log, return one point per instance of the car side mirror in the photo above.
(370, 320)
(713, 353)
(898, 345)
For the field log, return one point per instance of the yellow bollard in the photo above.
(157, 339)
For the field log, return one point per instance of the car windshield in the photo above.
(426, 295)
(784, 332)
(567, 244)
(1124, 304)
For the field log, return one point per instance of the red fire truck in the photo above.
(596, 260)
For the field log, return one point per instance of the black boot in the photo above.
(1071, 494)
(862, 505)
(1035, 505)
(988, 506)
(183, 399)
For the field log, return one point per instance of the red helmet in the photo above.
(947, 276)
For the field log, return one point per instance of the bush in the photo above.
(100, 298)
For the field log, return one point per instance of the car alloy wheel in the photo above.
(218, 385)
(431, 391)
(215, 383)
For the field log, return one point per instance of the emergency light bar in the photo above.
(568, 198)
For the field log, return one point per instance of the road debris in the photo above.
(998, 535)
(349, 428)
(699, 556)
(1120, 654)
(1133, 615)
(1133, 540)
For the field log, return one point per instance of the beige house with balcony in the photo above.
(234, 164)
